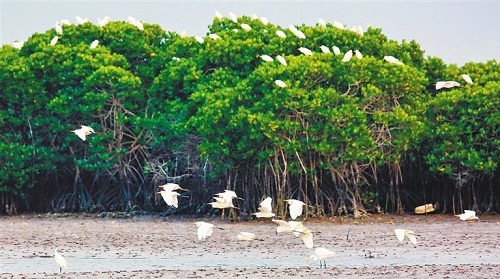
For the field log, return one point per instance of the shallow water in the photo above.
(107, 245)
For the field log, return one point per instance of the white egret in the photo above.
(264, 20)
(139, 25)
(446, 84)
(171, 187)
(18, 44)
(392, 60)
(324, 49)
(281, 59)
(80, 20)
(347, 56)
(357, 29)
(295, 207)
(246, 236)
(214, 36)
(320, 254)
(218, 15)
(280, 83)
(60, 260)
(94, 44)
(83, 132)
(58, 28)
(170, 197)
(233, 17)
(65, 22)
(467, 78)
(401, 233)
(104, 21)
(299, 34)
(265, 209)
(228, 195)
(338, 25)
(358, 54)
(267, 58)
(292, 28)
(246, 27)
(280, 34)
(54, 40)
(322, 22)
(204, 230)
(426, 208)
(297, 228)
(305, 51)
(336, 50)
(199, 39)
(468, 215)
(220, 203)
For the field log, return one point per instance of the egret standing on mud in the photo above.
(60, 260)
(320, 254)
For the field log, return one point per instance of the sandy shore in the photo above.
(168, 247)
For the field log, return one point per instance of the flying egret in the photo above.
(58, 28)
(83, 132)
(358, 54)
(297, 228)
(94, 44)
(280, 83)
(281, 59)
(220, 203)
(54, 40)
(467, 78)
(392, 60)
(401, 233)
(468, 215)
(320, 254)
(446, 84)
(171, 187)
(246, 236)
(324, 49)
(347, 56)
(280, 34)
(204, 230)
(199, 39)
(170, 197)
(305, 51)
(17, 44)
(336, 50)
(295, 207)
(267, 58)
(246, 27)
(265, 209)
(60, 260)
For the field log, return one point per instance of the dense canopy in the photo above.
(262, 109)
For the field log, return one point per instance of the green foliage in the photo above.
(164, 106)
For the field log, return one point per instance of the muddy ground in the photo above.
(168, 247)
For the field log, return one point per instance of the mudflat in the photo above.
(168, 247)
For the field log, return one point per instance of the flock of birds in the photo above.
(225, 199)
(347, 56)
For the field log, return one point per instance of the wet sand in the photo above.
(168, 247)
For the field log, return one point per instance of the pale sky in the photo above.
(456, 31)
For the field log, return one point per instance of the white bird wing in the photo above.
(295, 208)
(440, 84)
(267, 204)
(170, 198)
(81, 134)
(307, 238)
(411, 237)
(400, 234)
(284, 226)
(169, 187)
